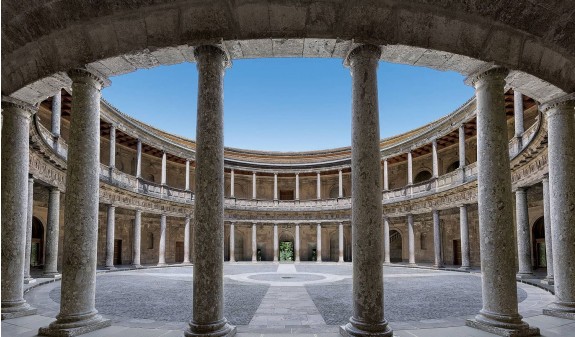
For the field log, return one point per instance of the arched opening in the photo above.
(454, 166)
(422, 176)
(395, 246)
(286, 247)
(538, 231)
(334, 192)
(334, 246)
(37, 243)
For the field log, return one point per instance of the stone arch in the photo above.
(423, 175)
(538, 246)
(37, 243)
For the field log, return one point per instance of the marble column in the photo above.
(232, 243)
(297, 258)
(187, 186)
(437, 240)
(561, 159)
(496, 231)
(110, 228)
(52, 234)
(276, 244)
(137, 239)
(385, 176)
(409, 168)
(275, 186)
(435, 161)
(254, 244)
(340, 184)
(297, 186)
(187, 240)
(318, 239)
(461, 146)
(411, 239)
(548, 231)
(340, 248)
(518, 113)
(29, 216)
(15, 162)
(254, 187)
(162, 246)
(368, 310)
(56, 113)
(232, 184)
(112, 147)
(464, 234)
(386, 241)
(318, 185)
(78, 314)
(139, 159)
(164, 164)
(208, 288)
(523, 234)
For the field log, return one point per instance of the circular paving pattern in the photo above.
(275, 277)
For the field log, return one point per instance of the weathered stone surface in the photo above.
(523, 234)
(52, 233)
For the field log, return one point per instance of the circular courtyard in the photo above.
(286, 296)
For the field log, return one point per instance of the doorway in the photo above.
(179, 251)
(117, 252)
(37, 243)
(539, 251)
(286, 248)
(395, 246)
(457, 252)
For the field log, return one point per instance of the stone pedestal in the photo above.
(523, 234)
(561, 153)
(136, 246)
(208, 297)
(499, 314)
(78, 314)
(52, 234)
(14, 190)
(368, 312)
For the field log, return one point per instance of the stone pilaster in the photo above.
(549, 279)
(411, 239)
(162, 246)
(386, 241)
(29, 216)
(208, 297)
(232, 243)
(110, 234)
(497, 238)
(137, 239)
(464, 235)
(52, 234)
(368, 312)
(437, 240)
(523, 234)
(561, 154)
(15, 163)
(187, 240)
(78, 314)
(318, 242)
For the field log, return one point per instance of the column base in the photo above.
(29, 280)
(110, 268)
(548, 281)
(161, 264)
(254, 261)
(438, 266)
(561, 310)
(187, 263)
(528, 331)
(137, 266)
(52, 275)
(340, 261)
(15, 310)
(412, 264)
(355, 328)
(464, 268)
(68, 327)
(524, 275)
(220, 328)
(502, 325)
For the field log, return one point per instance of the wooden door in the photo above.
(117, 252)
(179, 251)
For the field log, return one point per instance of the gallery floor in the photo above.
(301, 299)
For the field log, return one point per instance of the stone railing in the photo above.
(323, 204)
(57, 144)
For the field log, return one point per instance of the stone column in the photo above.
(232, 184)
(297, 259)
(139, 159)
(137, 240)
(497, 238)
(409, 168)
(464, 234)
(52, 234)
(78, 314)
(28, 244)
(297, 186)
(254, 244)
(318, 247)
(548, 231)
(340, 248)
(437, 240)
(15, 161)
(276, 244)
(385, 176)
(232, 243)
(368, 312)
(208, 297)
(187, 187)
(254, 190)
(340, 184)
(386, 241)
(435, 161)
(112, 147)
(318, 185)
(411, 239)
(164, 164)
(56, 113)
(523, 234)
(275, 186)
(561, 153)
(111, 224)
(162, 247)
(518, 113)
(187, 240)
(461, 146)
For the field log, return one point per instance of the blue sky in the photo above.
(287, 104)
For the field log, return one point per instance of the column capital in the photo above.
(24, 109)
(565, 101)
(89, 75)
(212, 50)
(487, 73)
(363, 51)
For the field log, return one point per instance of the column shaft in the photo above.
(187, 187)
(318, 247)
(112, 160)
(340, 184)
(164, 164)
(437, 240)
(385, 176)
(386, 241)
(340, 248)
(162, 246)
(56, 113)
(254, 187)
(548, 231)
(318, 185)
(208, 284)
(187, 240)
(28, 243)
(411, 239)
(368, 311)
(232, 243)
(139, 159)
(110, 227)
(232, 184)
(254, 244)
(518, 113)
(297, 258)
(464, 234)
(275, 186)
(462, 146)
(52, 233)
(297, 186)
(276, 244)
(14, 181)
(523, 234)
(409, 168)
(137, 239)
(435, 161)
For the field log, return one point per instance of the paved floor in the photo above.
(270, 299)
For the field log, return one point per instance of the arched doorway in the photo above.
(37, 243)
(395, 246)
(334, 246)
(422, 176)
(538, 231)
(286, 247)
